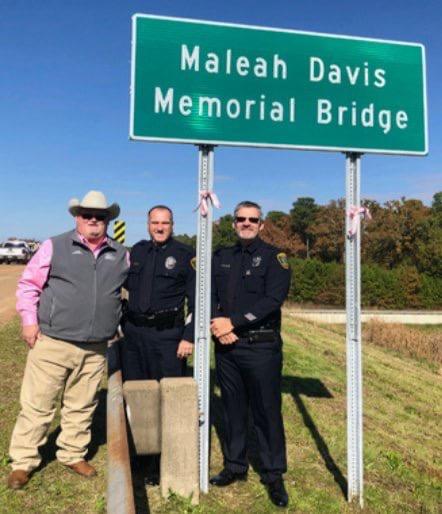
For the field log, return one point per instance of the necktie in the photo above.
(148, 280)
(234, 281)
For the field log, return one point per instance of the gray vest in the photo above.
(80, 301)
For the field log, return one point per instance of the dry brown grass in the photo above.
(408, 341)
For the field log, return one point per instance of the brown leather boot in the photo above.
(83, 468)
(17, 479)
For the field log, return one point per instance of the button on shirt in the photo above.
(250, 284)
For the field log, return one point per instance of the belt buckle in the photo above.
(252, 338)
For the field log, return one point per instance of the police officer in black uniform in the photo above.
(250, 282)
(161, 276)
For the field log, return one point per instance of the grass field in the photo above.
(402, 437)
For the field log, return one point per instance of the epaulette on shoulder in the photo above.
(140, 245)
(221, 249)
(271, 247)
(143, 242)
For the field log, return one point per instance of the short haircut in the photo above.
(163, 207)
(247, 203)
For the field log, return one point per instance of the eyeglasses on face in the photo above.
(242, 219)
(91, 215)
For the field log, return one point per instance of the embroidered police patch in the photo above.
(282, 259)
(193, 262)
(170, 262)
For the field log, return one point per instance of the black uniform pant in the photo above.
(250, 375)
(149, 353)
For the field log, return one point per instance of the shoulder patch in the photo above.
(283, 261)
(193, 262)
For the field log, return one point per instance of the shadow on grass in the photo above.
(296, 387)
(314, 388)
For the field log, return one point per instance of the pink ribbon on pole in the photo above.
(355, 214)
(205, 197)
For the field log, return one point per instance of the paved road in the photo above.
(9, 275)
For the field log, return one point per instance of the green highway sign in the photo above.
(213, 83)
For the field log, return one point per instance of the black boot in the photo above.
(227, 477)
(277, 493)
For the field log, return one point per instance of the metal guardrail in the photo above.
(120, 496)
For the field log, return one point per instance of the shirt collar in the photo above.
(83, 240)
(161, 248)
(250, 248)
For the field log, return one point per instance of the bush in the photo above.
(404, 287)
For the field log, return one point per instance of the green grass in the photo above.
(402, 437)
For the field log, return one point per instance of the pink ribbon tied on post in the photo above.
(205, 197)
(355, 214)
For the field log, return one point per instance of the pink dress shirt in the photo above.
(35, 276)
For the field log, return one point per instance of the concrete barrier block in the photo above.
(143, 409)
(179, 437)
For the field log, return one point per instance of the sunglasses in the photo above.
(90, 215)
(242, 219)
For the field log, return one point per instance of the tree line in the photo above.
(401, 251)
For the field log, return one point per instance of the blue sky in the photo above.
(64, 96)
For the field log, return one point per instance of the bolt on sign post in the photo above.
(209, 84)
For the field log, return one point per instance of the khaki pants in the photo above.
(53, 366)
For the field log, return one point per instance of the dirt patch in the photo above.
(9, 276)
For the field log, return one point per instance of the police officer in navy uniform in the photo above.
(158, 339)
(250, 282)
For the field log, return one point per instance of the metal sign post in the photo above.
(203, 311)
(354, 357)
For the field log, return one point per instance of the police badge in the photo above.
(256, 261)
(170, 262)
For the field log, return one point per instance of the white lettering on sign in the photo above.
(212, 106)
(352, 115)
(191, 60)
(336, 74)
(275, 110)
(163, 103)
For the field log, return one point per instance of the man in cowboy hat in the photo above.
(69, 300)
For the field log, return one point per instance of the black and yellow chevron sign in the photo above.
(120, 231)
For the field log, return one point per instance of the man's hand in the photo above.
(185, 348)
(221, 326)
(228, 338)
(30, 334)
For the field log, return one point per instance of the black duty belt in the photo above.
(263, 335)
(168, 318)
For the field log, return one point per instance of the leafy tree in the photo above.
(280, 235)
(437, 202)
(428, 247)
(223, 233)
(302, 216)
(396, 232)
(277, 218)
(188, 240)
(328, 232)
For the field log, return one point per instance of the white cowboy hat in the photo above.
(94, 200)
